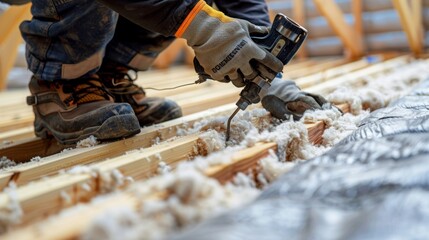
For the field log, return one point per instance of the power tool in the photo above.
(283, 41)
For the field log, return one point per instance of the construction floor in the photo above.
(177, 174)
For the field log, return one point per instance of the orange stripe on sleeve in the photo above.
(185, 24)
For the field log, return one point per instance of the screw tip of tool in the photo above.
(228, 125)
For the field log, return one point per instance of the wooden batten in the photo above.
(359, 76)
(333, 14)
(242, 161)
(357, 10)
(300, 18)
(411, 23)
(325, 75)
(52, 164)
(10, 38)
(48, 196)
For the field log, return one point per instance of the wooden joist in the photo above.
(52, 164)
(357, 77)
(333, 14)
(323, 76)
(357, 10)
(143, 164)
(299, 17)
(192, 99)
(18, 115)
(10, 38)
(72, 225)
(48, 196)
(38, 147)
(411, 23)
(130, 165)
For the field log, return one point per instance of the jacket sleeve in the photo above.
(254, 11)
(161, 16)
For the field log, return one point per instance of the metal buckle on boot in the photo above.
(31, 100)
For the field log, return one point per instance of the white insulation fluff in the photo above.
(379, 91)
(192, 198)
(185, 196)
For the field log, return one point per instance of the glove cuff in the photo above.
(200, 22)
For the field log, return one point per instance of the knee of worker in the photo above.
(67, 32)
(134, 46)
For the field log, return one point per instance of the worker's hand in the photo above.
(224, 48)
(284, 98)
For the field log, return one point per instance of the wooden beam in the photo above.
(358, 23)
(201, 98)
(317, 68)
(333, 14)
(409, 24)
(72, 225)
(10, 38)
(357, 77)
(8, 137)
(46, 196)
(42, 148)
(52, 164)
(417, 12)
(242, 161)
(299, 17)
(323, 76)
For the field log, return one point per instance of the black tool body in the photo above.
(283, 41)
(284, 38)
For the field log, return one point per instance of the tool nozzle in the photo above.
(228, 124)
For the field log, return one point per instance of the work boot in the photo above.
(149, 110)
(72, 110)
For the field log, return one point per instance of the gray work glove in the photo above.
(224, 48)
(284, 98)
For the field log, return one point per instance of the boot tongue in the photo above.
(121, 84)
(94, 94)
(117, 79)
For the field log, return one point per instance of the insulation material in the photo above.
(272, 168)
(364, 188)
(6, 163)
(379, 91)
(191, 198)
(182, 198)
(90, 141)
(12, 215)
(368, 189)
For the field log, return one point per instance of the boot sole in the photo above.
(115, 127)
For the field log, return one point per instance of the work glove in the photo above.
(284, 99)
(224, 48)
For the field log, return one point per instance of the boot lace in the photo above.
(121, 82)
(84, 90)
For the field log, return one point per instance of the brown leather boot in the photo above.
(72, 110)
(149, 110)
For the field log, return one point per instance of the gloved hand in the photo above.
(224, 48)
(284, 98)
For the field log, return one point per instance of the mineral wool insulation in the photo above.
(194, 197)
(248, 129)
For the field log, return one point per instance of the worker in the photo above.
(80, 53)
